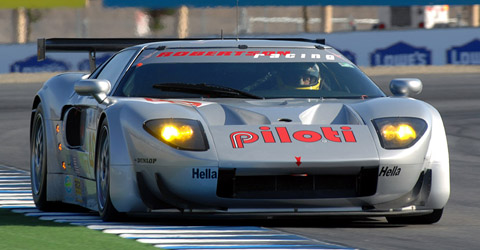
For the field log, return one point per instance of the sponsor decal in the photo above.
(387, 171)
(254, 54)
(78, 191)
(186, 103)
(145, 160)
(203, 174)
(401, 54)
(68, 184)
(467, 54)
(92, 142)
(291, 56)
(74, 164)
(282, 135)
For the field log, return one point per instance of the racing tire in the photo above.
(431, 218)
(38, 163)
(102, 175)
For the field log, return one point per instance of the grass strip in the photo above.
(22, 232)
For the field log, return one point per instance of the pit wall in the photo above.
(455, 46)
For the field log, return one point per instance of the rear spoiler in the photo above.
(90, 45)
(94, 45)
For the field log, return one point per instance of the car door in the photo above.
(82, 117)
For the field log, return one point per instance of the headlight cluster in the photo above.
(399, 132)
(184, 134)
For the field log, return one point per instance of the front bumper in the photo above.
(234, 196)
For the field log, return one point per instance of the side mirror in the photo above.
(98, 88)
(406, 86)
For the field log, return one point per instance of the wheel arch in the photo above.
(36, 102)
(123, 191)
(438, 161)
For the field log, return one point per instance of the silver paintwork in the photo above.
(406, 86)
(98, 88)
(222, 117)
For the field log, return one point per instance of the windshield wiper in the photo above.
(203, 88)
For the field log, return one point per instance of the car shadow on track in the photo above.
(285, 222)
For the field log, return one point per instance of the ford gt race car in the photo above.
(237, 127)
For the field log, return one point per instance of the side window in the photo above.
(115, 67)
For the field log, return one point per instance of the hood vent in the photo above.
(280, 112)
(330, 114)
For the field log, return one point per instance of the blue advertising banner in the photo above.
(367, 48)
(466, 54)
(401, 54)
(53, 63)
(31, 65)
(232, 3)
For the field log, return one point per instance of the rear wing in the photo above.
(90, 45)
(94, 45)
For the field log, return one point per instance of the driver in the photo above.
(306, 77)
(302, 76)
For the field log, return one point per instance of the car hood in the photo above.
(336, 134)
(289, 133)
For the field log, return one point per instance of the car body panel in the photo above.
(300, 140)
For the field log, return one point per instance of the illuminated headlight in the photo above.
(182, 134)
(399, 132)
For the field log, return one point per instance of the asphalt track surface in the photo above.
(456, 96)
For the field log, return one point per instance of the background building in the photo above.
(96, 20)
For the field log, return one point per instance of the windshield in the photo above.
(249, 79)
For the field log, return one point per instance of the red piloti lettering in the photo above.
(240, 138)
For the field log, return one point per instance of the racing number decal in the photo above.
(240, 138)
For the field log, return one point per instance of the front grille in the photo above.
(297, 187)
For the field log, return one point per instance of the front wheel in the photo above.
(431, 218)
(102, 173)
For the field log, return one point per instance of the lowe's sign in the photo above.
(401, 54)
(366, 48)
(31, 65)
(466, 54)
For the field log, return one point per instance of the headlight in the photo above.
(399, 132)
(182, 134)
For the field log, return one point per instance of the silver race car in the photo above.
(235, 127)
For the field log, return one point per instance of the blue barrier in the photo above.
(373, 48)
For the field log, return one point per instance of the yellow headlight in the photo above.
(179, 133)
(172, 133)
(406, 132)
(389, 132)
(401, 132)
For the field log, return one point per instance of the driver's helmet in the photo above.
(303, 76)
